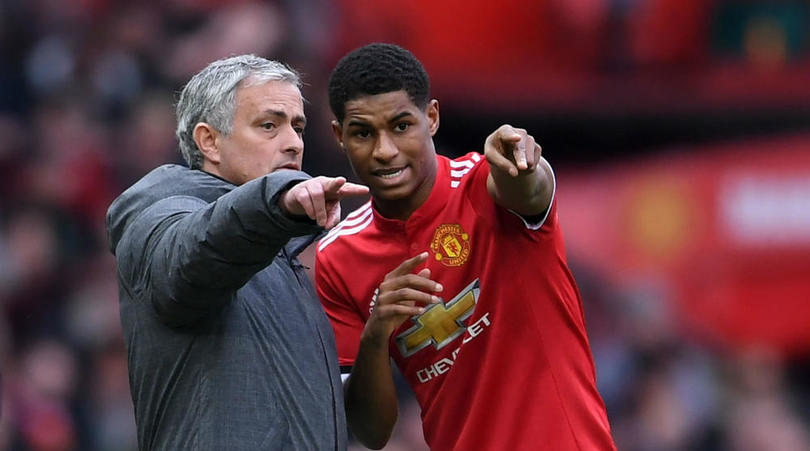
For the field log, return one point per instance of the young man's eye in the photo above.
(362, 133)
(402, 126)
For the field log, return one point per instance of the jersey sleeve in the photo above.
(346, 320)
(487, 209)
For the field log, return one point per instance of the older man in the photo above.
(227, 344)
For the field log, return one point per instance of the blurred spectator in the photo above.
(761, 413)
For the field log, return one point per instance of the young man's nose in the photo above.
(385, 148)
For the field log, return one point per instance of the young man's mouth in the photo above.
(389, 173)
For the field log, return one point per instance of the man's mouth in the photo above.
(292, 166)
(389, 173)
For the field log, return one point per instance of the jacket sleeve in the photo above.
(189, 257)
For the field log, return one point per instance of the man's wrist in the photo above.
(375, 339)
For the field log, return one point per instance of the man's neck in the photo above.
(402, 209)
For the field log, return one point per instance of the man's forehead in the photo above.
(278, 87)
(386, 105)
(272, 95)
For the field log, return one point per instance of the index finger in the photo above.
(352, 189)
(408, 266)
(519, 152)
(332, 185)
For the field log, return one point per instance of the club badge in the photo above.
(451, 245)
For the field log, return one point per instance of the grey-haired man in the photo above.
(227, 344)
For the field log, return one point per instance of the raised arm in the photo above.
(371, 398)
(189, 255)
(520, 179)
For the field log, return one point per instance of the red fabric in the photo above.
(521, 375)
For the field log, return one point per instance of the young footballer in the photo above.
(456, 271)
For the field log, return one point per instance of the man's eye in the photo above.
(402, 126)
(362, 133)
(299, 130)
(268, 125)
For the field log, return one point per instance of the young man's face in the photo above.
(388, 140)
(268, 126)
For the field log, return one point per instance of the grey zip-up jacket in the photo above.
(227, 344)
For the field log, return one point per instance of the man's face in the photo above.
(268, 126)
(388, 140)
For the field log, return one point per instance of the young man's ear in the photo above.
(432, 113)
(205, 135)
(337, 130)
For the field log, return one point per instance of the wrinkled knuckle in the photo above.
(382, 299)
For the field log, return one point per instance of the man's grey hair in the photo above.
(210, 96)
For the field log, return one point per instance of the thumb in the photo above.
(509, 141)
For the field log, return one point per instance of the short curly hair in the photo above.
(376, 69)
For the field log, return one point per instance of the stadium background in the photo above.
(679, 131)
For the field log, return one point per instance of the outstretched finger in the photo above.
(407, 266)
(519, 154)
(530, 152)
(420, 281)
(352, 189)
(407, 295)
(331, 186)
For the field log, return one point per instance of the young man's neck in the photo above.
(402, 209)
(397, 209)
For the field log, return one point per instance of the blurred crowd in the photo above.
(86, 108)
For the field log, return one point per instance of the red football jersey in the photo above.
(503, 362)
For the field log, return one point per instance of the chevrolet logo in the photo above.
(440, 323)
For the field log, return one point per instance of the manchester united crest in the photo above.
(451, 245)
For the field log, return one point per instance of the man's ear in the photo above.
(205, 135)
(432, 113)
(337, 130)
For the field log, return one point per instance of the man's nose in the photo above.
(385, 148)
(293, 141)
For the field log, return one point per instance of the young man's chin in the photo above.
(391, 193)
